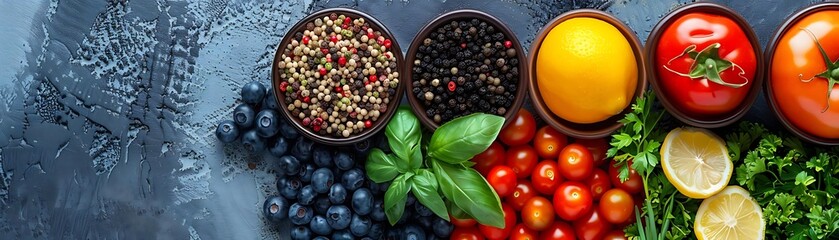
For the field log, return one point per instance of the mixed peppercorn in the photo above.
(338, 75)
(464, 67)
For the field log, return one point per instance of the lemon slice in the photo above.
(731, 214)
(696, 162)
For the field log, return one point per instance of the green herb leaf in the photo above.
(381, 167)
(470, 192)
(425, 189)
(461, 139)
(396, 197)
(456, 211)
(404, 137)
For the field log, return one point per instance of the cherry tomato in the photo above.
(575, 162)
(546, 177)
(616, 205)
(591, 226)
(558, 231)
(462, 223)
(698, 95)
(616, 234)
(494, 233)
(521, 232)
(522, 159)
(493, 156)
(572, 200)
(466, 233)
(520, 131)
(538, 214)
(599, 183)
(808, 105)
(524, 191)
(632, 185)
(549, 142)
(503, 180)
(597, 147)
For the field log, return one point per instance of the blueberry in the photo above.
(307, 195)
(342, 235)
(414, 232)
(411, 200)
(227, 131)
(374, 187)
(322, 180)
(289, 165)
(394, 233)
(442, 228)
(338, 217)
(320, 238)
(306, 173)
(376, 231)
(270, 101)
(253, 143)
(253, 92)
(275, 208)
(353, 179)
(406, 217)
(322, 204)
(301, 233)
(299, 214)
(279, 148)
(362, 201)
(302, 150)
(322, 157)
(434, 237)
(383, 187)
(343, 161)
(383, 144)
(267, 123)
(363, 147)
(288, 131)
(281, 181)
(378, 213)
(424, 222)
(319, 226)
(291, 188)
(337, 194)
(422, 210)
(243, 116)
(359, 226)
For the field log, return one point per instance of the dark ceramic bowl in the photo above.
(770, 52)
(702, 120)
(383, 118)
(464, 14)
(593, 130)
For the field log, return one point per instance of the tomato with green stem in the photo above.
(705, 63)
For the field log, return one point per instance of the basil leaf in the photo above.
(470, 192)
(381, 167)
(404, 136)
(396, 197)
(457, 212)
(425, 189)
(461, 139)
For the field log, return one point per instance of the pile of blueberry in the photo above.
(323, 191)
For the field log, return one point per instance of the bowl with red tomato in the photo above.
(706, 64)
(803, 69)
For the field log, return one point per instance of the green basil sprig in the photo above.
(450, 184)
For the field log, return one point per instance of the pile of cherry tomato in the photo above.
(552, 187)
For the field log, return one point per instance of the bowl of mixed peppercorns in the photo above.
(465, 62)
(336, 76)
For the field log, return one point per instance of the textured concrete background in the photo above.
(107, 106)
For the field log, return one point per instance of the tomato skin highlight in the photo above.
(546, 177)
(558, 231)
(538, 214)
(700, 97)
(503, 180)
(592, 226)
(616, 234)
(572, 201)
(549, 142)
(523, 193)
(521, 232)
(575, 162)
(520, 131)
(616, 205)
(493, 156)
(633, 185)
(599, 183)
(522, 159)
(494, 233)
(466, 233)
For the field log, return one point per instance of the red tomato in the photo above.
(493, 156)
(616, 234)
(616, 205)
(575, 162)
(462, 223)
(522, 159)
(558, 231)
(538, 214)
(591, 226)
(494, 233)
(503, 180)
(632, 185)
(698, 96)
(520, 131)
(549, 142)
(572, 200)
(524, 191)
(599, 183)
(546, 177)
(521, 232)
(466, 233)
(597, 148)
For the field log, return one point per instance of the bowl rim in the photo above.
(381, 123)
(769, 56)
(720, 120)
(465, 13)
(592, 130)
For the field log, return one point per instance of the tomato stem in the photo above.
(831, 74)
(707, 64)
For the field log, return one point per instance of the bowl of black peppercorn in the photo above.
(463, 62)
